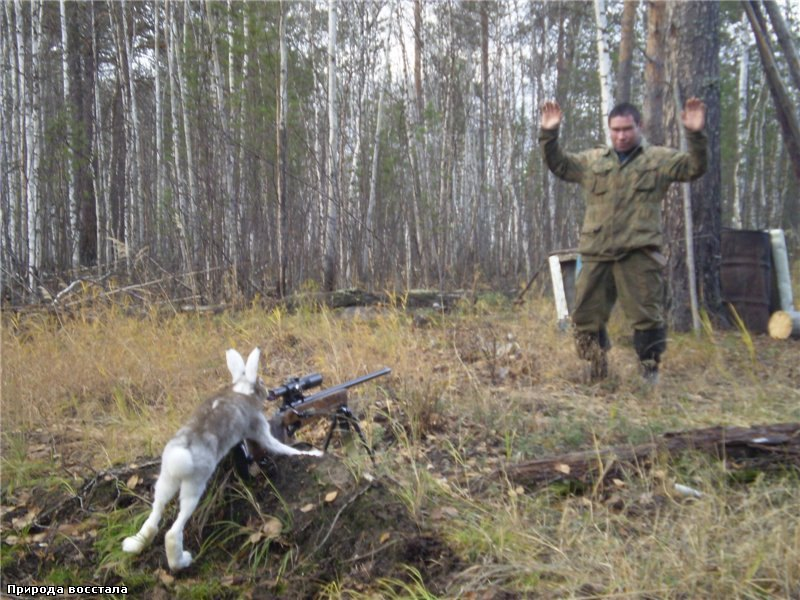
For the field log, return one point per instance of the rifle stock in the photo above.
(322, 404)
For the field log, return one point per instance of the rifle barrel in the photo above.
(347, 384)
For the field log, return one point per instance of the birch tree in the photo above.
(742, 129)
(71, 201)
(197, 135)
(604, 65)
(282, 171)
(162, 214)
(33, 136)
(12, 139)
(95, 217)
(330, 271)
(368, 253)
(182, 205)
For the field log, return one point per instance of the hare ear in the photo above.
(235, 364)
(251, 370)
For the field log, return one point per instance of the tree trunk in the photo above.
(330, 274)
(192, 199)
(626, 45)
(481, 230)
(181, 208)
(33, 135)
(784, 107)
(604, 65)
(161, 214)
(368, 252)
(74, 226)
(742, 137)
(282, 151)
(419, 99)
(95, 216)
(655, 83)
(695, 60)
(12, 94)
(784, 40)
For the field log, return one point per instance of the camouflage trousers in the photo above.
(637, 282)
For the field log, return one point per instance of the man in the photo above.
(621, 237)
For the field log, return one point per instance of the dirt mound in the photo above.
(292, 528)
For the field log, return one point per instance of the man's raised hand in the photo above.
(550, 115)
(694, 114)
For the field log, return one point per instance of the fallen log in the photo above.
(411, 299)
(758, 446)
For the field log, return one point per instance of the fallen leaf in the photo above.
(563, 468)
(69, 529)
(307, 508)
(165, 577)
(272, 528)
(331, 496)
(133, 481)
(385, 537)
(450, 511)
(255, 537)
(25, 520)
(618, 482)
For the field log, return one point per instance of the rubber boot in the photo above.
(650, 344)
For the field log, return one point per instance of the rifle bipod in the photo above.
(342, 420)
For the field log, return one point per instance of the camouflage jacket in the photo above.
(623, 200)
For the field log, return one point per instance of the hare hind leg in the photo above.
(166, 487)
(177, 557)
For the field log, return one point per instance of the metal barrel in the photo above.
(746, 276)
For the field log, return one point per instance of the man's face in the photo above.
(625, 133)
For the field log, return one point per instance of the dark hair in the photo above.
(626, 109)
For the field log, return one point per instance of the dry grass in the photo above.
(469, 390)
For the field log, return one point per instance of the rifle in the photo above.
(298, 410)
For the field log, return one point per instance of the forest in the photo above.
(181, 178)
(232, 150)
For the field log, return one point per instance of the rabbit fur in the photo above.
(190, 457)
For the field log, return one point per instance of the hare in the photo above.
(190, 457)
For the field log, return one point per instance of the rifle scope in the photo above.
(296, 385)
